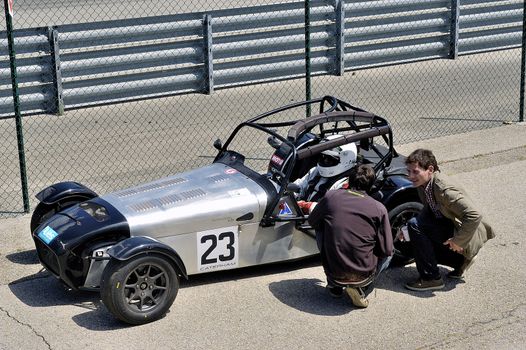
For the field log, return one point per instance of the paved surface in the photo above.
(114, 147)
(285, 306)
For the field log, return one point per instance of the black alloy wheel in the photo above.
(398, 217)
(139, 290)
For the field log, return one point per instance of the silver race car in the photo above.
(135, 244)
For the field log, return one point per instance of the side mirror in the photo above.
(218, 145)
(292, 187)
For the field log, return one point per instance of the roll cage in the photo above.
(335, 117)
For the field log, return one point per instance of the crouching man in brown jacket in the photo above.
(448, 231)
(354, 236)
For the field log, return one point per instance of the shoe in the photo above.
(335, 291)
(357, 297)
(459, 272)
(422, 285)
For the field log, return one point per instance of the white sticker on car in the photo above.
(284, 210)
(217, 249)
(239, 192)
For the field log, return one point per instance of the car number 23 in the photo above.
(217, 249)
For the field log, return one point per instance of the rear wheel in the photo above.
(398, 217)
(139, 290)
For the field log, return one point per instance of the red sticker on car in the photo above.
(230, 171)
(276, 160)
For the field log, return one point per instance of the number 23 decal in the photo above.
(217, 249)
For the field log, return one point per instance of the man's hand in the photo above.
(399, 236)
(453, 246)
(306, 207)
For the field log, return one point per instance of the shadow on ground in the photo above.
(27, 257)
(395, 278)
(310, 295)
(42, 290)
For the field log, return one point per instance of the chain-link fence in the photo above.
(170, 93)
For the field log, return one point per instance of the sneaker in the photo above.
(334, 291)
(357, 297)
(421, 285)
(459, 272)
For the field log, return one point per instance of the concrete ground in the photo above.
(285, 306)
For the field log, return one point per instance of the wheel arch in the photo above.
(134, 246)
(400, 196)
(61, 191)
(57, 197)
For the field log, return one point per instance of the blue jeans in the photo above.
(427, 236)
(381, 266)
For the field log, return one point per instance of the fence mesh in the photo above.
(114, 146)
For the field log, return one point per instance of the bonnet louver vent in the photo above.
(192, 194)
(150, 187)
(219, 178)
(167, 200)
(144, 206)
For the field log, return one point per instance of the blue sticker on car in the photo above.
(285, 209)
(47, 234)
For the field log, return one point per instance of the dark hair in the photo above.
(362, 177)
(423, 157)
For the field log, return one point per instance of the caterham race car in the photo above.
(135, 244)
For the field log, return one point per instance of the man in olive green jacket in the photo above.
(448, 231)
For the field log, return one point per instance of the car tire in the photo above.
(398, 217)
(139, 290)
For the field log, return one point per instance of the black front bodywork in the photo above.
(64, 242)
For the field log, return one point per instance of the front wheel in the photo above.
(398, 217)
(139, 290)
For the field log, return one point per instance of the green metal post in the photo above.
(523, 64)
(307, 57)
(16, 103)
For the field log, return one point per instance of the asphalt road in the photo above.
(285, 305)
(116, 146)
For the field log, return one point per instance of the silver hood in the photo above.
(201, 199)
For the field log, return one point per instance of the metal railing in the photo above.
(84, 65)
